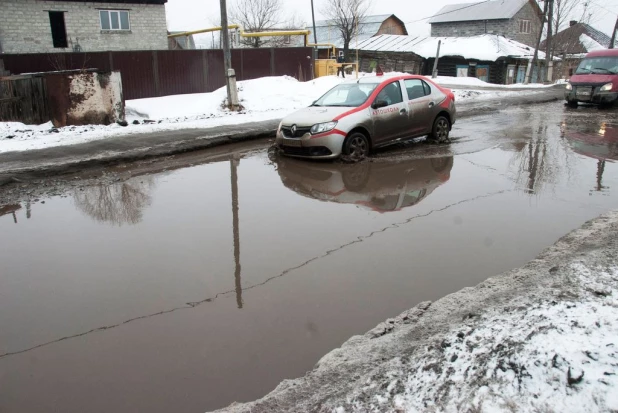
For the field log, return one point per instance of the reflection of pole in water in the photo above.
(28, 210)
(600, 171)
(234, 176)
(14, 217)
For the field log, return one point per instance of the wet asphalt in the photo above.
(189, 282)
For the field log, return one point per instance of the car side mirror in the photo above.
(379, 104)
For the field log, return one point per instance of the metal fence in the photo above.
(169, 72)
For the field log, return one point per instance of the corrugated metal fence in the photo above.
(170, 72)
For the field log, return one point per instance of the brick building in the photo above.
(43, 26)
(520, 20)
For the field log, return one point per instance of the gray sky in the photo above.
(198, 14)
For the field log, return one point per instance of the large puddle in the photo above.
(187, 289)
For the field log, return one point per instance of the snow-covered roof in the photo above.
(486, 47)
(327, 31)
(579, 39)
(485, 10)
(590, 44)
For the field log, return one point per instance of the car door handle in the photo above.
(402, 111)
(431, 104)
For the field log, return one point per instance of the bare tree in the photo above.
(564, 11)
(347, 17)
(117, 203)
(256, 16)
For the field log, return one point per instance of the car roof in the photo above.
(603, 53)
(373, 79)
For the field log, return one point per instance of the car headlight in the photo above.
(323, 127)
(569, 86)
(607, 87)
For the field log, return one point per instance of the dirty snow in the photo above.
(263, 99)
(553, 356)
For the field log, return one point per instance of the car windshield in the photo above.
(347, 94)
(598, 65)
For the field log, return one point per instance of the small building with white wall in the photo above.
(45, 26)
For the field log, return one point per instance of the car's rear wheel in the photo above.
(572, 103)
(441, 129)
(356, 146)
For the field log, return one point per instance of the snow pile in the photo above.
(259, 95)
(554, 356)
(263, 99)
(590, 44)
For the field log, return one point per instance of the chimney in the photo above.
(572, 23)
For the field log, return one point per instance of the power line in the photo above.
(606, 9)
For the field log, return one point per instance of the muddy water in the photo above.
(187, 289)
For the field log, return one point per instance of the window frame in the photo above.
(109, 22)
(525, 26)
(387, 85)
(423, 84)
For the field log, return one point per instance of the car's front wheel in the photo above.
(356, 146)
(441, 129)
(572, 103)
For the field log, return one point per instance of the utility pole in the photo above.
(230, 76)
(434, 72)
(536, 49)
(548, 58)
(611, 43)
(234, 162)
(315, 33)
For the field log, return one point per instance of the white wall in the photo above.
(25, 27)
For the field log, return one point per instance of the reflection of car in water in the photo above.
(599, 141)
(380, 186)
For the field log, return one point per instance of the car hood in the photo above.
(593, 78)
(314, 114)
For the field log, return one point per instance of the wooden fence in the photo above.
(23, 99)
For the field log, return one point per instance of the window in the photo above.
(287, 39)
(114, 20)
(416, 88)
(391, 93)
(58, 28)
(525, 26)
(347, 94)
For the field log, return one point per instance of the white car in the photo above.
(358, 115)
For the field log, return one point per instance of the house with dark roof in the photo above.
(328, 33)
(46, 26)
(520, 20)
(573, 43)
